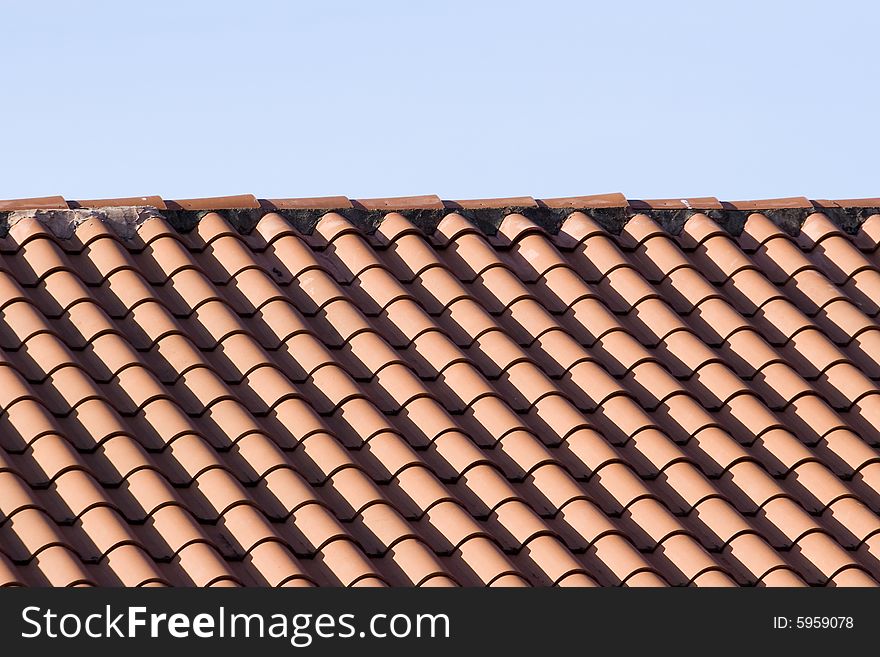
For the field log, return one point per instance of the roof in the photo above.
(588, 391)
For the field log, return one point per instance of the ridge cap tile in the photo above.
(492, 203)
(425, 202)
(685, 203)
(613, 200)
(126, 201)
(848, 203)
(315, 203)
(770, 204)
(242, 201)
(39, 203)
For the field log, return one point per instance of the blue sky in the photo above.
(462, 99)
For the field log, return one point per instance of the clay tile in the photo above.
(514, 225)
(849, 203)
(852, 576)
(394, 225)
(347, 563)
(331, 225)
(576, 228)
(614, 200)
(769, 204)
(868, 237)
(243, 201)
(508, 581)
(41, 203)
(698, 229)
(202, 564)
(757, 230)
(496, 203)
(697, 203)
(815, 229)
(484, 559)
(426, 202)
(438, 580)
(147, 201)
(60, 566)
(452, 226)
(416, 560)
(318, 203)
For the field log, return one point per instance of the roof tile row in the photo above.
(430, 202)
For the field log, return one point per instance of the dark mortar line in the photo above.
(488, 220)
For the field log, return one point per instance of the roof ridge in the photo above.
(611, 211)
(432, 202)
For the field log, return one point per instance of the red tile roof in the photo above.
(415, 392)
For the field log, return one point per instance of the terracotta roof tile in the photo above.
(427, 202)
(320, 404)
(614, 200)
(483, 203)
(701, 203)
(318, 203)
(771, 203)
(214, 203)
(149, 201)
(849, 203)
(42, 203)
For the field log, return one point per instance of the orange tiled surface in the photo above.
(456, 408)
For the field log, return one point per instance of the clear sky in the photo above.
(463, 99)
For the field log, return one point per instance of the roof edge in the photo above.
(433, 202)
